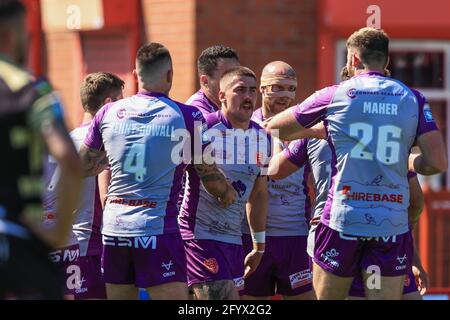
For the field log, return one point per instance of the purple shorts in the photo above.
(345, 256)
(66, 259)
(92, 284)
(357, 288)
(210, 260)
(284, 268)
(145, 261)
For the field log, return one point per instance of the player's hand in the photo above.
(228, 198)
(421, 278)
(251, 262)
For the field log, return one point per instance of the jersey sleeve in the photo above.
(314, 108)
(196, 125)
(426, 121)
(94, 138)
(297, 152)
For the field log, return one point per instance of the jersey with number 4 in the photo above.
(143, 137)
(372, 122)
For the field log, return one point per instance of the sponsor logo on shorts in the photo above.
(387, 239)
(401, 260)
(328, 256)
(211, 265)
(300, 279)
(134, 242)
(65, 255)
(239, 283)
(168, 266)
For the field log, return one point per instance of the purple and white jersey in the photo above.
(51, 174)
(201, 102)
(289, 206)
(372, 121)
(141, 137)
(88, 218)
(200, 215)
(317, 154)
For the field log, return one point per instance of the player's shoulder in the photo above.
(326, 94)
(419, 95)
(213, 119)
(195, 98)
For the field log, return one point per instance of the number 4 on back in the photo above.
(135, 161)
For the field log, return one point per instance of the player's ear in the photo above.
(135, 76)
(107, 100)
(222, 97)
(387, 63)
(204, 80)
(355, 61)
(169, 76)
(262, 89)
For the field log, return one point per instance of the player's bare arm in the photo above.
(419, 272)
(104, 179)
(257, 216)
(433, 158)
(93, 161)
(416, 201)
(280, 167)
(286, 125)
(216, 184)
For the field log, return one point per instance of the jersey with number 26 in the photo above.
(372, 121)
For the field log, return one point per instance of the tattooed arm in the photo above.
(216, 184)
(93, 161)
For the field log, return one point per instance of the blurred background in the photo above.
(72, 38)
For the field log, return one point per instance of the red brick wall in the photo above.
(263, 31)
(64, 69)
(172, 23)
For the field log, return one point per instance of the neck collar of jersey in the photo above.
(151, 94)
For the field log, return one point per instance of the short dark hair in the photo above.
(372, 44)
(98, 86)
(240, 71)
(207, 61)
(10, 10)
(150, 56)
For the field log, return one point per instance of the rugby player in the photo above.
(97, 89)
(211, 64)
(372, 122)
(217, 265)
(285, 266)
(142, 243)
(32, 127)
